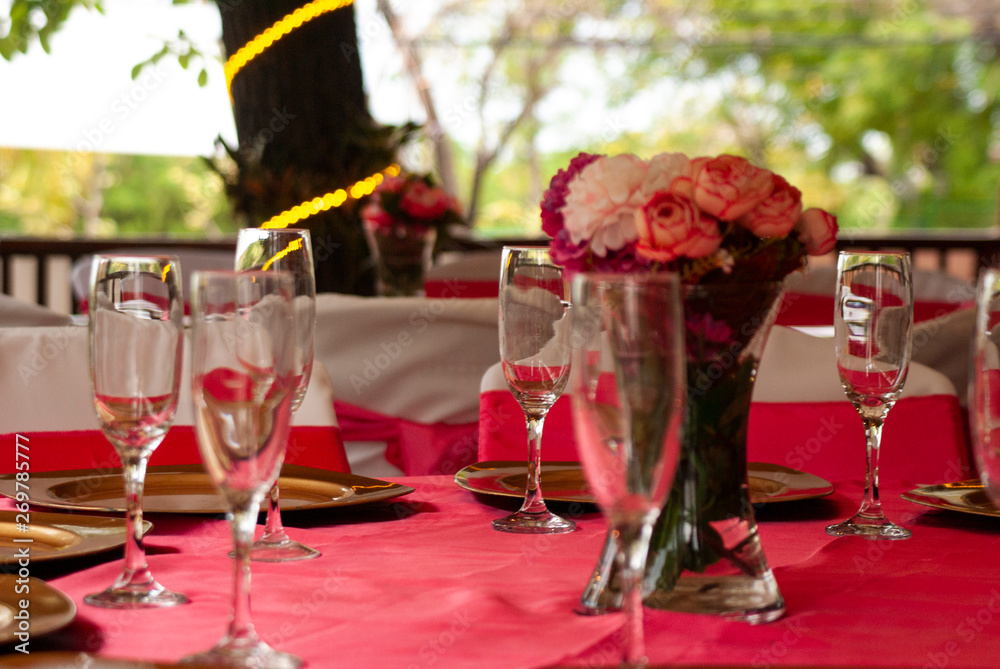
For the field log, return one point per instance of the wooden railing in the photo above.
(959, 252)
(44, 263)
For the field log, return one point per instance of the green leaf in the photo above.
(137, 69)
(202, 77)
(184, 59)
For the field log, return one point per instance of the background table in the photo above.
(425, 582)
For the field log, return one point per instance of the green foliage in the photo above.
(37, 20)
(59, 193)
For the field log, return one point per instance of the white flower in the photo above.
(663, 169)
(602, 201)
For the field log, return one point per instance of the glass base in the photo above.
(256, 656)
(136, 598)
(745, 598)
(534, 523)
(280, 551)
(874, 527)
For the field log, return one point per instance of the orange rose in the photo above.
(777, 213)
(670, 226)
(729, 186)
(817, 231)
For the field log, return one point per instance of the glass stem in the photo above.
(136, 570)
(633, 541)
(534, 502)
(241, 627)
(274, 531)
(871, 507)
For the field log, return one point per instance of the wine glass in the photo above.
(535, 352)
(136, 348)
(243, 384)
(872, 321)
(628, 391)
(289, 250)
(984, 383)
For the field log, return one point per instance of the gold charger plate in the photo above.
(965, 496)
(55, 536)
(187, 489)
(50, 609)
(564, 481)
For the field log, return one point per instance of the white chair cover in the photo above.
(406, 364)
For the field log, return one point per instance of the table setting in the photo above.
(646, 489)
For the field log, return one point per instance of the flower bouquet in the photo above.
(402, 219)
(732, 232)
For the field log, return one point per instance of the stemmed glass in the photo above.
(535, 352)
(628, 390)
(984, 383)
(136, 349)
(242, 384)
(872, 321)
(289, 250)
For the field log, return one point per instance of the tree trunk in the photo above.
(304, 130)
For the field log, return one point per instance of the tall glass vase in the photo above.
(705, 555)
(402, 255)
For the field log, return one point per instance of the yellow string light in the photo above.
(330, 200)
(276, 31)
(293, 245)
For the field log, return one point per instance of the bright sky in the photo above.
(82, 97)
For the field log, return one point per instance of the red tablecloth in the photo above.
(426, 582)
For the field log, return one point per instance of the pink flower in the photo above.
(729, 186)
(554, 198)
(423, 201)
(602, 201)
(708, 328)
(374, 216)
(817, 231)
(777, 213)
(670, 226)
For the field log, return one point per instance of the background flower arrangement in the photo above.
(403, 220)
(410, 200)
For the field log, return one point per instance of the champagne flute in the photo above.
(629, 392)
(535, 352)
(136, 349)
(242, 384)
(873, 319)
(289, 250)
(984, 383)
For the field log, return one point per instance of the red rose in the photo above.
(670, 226)
(729, 186)
(375, 216)
(817, 231)
(422, 201)
(777, 213)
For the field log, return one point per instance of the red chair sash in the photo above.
(315, 446)
(925, 438)
(417, 449)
